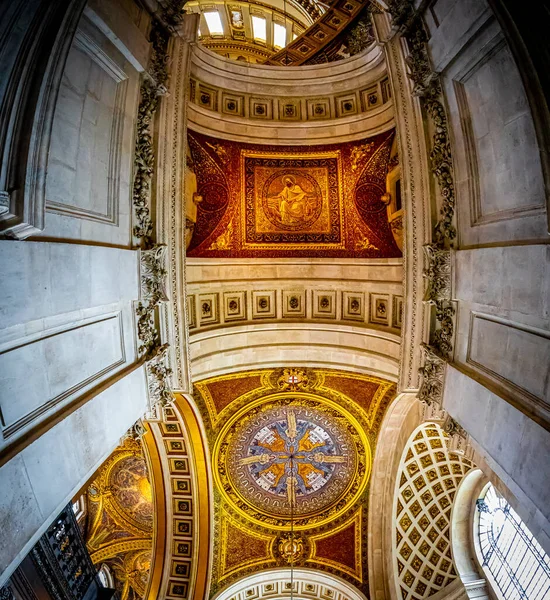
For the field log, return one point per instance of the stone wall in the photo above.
(72, 381)
(497, 387)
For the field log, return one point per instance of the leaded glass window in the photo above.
(516, 564)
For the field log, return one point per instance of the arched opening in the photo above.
(514, 562)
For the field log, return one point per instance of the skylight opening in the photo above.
(214, 23)
(279, 35)
(259, 28)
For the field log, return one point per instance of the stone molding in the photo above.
(307, 583)
(32, 90)
(342, 101)
(407, 23)
(416, 191)
(172, 128)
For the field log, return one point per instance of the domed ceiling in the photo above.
(120, 518)
(292, 449)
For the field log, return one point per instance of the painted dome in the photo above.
(292, 457)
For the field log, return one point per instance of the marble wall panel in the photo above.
(499, 179)
(527, 351)
(57, 364)
(49, 472)
(508, 444)
(91, 148)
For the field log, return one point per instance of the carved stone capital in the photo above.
(136, 432)
(458, 439)
(153, 274)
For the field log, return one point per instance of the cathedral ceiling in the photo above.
(119, 524)
(279, 201)
(291, 446)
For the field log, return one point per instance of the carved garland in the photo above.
(438, 255)
(153, 271)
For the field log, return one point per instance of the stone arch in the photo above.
(425, 491)
(462, 527)
(306, 584)
(402, 418)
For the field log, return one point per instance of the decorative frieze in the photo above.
(153, 257)
(438, 255)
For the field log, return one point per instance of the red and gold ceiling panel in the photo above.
(288, 201)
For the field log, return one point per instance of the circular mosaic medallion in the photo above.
(292, 200)
(298, 457)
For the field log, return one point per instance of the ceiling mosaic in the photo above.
(119, 522)
(291, 444)
(267, 201)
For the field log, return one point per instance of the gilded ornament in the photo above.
(291, 548)
(292, 380)
(223, 241)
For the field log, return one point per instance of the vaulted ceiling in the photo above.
(277, 201)
(292, 451)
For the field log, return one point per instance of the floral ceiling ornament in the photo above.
(291, 548)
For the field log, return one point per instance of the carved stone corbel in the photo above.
(136, 432)
(458, 440)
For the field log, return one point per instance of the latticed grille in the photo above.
(518, 566)
(426, 487)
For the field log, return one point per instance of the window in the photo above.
(259, 28)
(517, 565)
(214, 23)
(105, 576)
(279, 35)
(79, 507)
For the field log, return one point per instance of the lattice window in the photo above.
(427, 481)
(516, 564)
